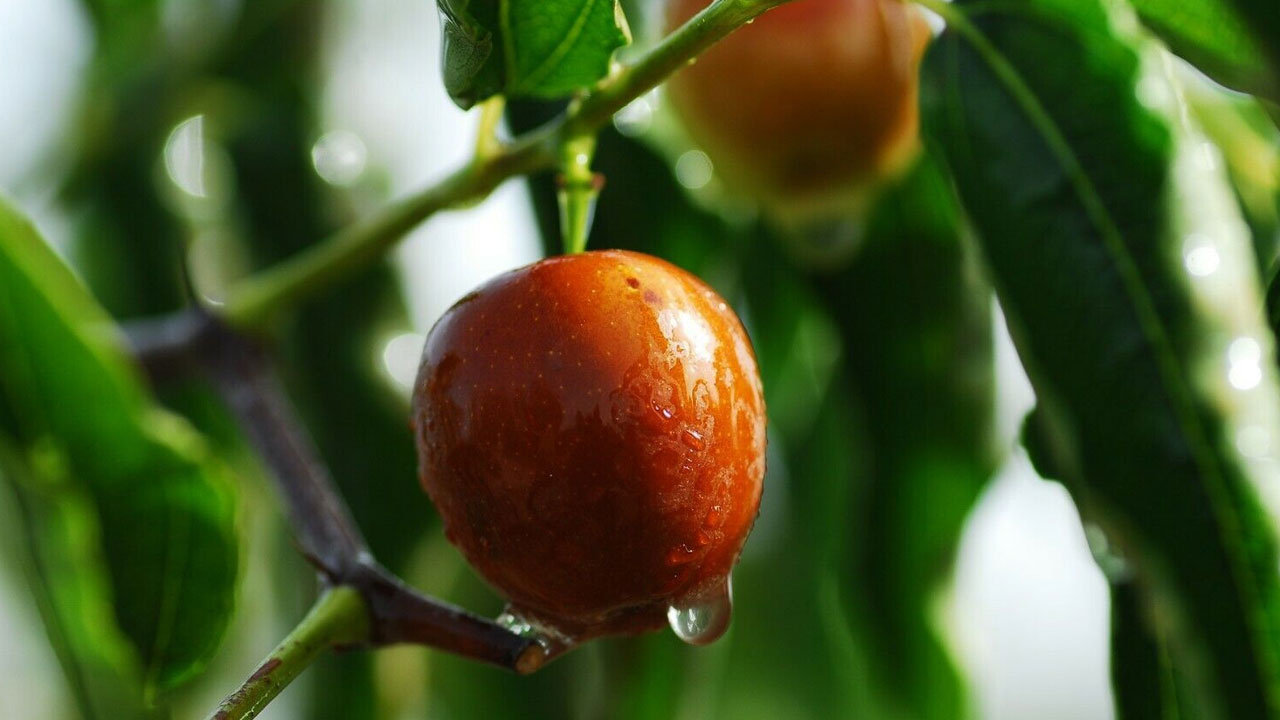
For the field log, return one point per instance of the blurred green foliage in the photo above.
(1110, 327)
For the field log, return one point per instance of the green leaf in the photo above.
(163, 512)
(915, 324)
(48, 533)
(1263, 19)
(1068, 181)
(527, 48)
(1210, 35)
(1250, 145)
(1142, 676)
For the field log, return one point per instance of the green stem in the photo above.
(255, 301)
(487, 142)
(340, 617)
(579, 188)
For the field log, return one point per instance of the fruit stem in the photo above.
(577, 191)
(253, 303)
(340, 617)
(488, 143)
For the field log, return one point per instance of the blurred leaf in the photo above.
(1210, 35)
(162, 502)
(1141, 675)
(1262, 18)
(1250, 145)
(1145, 684)
(915, 326)
(527, 48)
(53, 542)
(1066, 178)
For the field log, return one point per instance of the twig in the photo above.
(338, 618)
(326, 533)
(402, 615)
(322, 524)
(254, 302)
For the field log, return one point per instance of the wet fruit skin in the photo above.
(591, 428)
(809, 104)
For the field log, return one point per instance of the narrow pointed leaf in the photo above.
(1262, 17)
(1067, 179)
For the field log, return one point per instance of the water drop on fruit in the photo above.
(693, 439)
(550, 642)
(702, 619)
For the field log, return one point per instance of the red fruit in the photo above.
(592, 430)
(808, 105)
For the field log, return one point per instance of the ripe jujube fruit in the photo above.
(591, 429)
(808, 106)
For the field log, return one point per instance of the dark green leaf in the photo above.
(1211, 36)
(163, 509)
(527, 48)
(1141, 674)
(1067, 180)
(915, 325)
(1263, 19)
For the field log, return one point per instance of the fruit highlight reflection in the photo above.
(592, 431)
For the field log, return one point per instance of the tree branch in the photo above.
(322, 524)
(254, 302)
(325, 531)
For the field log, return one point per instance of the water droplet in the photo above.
(715, 517)
(339, 157)
(680, 555)
(1245, 376)
(1200, 256)
(184, 156)
(1253, 441)
(400, 357)
(663, 411)
(703, 538)
(694, 169)
(701, 620)
(1244, 350)
(694, 440)
(1244, 357)
(515, 622)
(635, 119)
(548, 641)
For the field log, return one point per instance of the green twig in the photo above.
(578, 189)
(254, 302)
(488, 143)
(338, 618)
